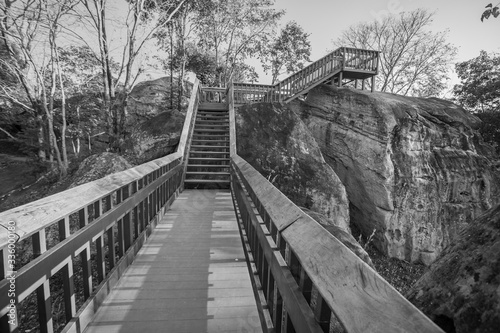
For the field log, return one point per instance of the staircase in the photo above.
(208, 162)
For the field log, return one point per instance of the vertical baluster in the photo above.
(305, 285)
(87, 271)
(44, 307)
(322, 313)
(270, 294)
(43, 291)
(111, 247)
(136, 222)
(121, 241)
(278, 310)
(69, 290)
(127, 232)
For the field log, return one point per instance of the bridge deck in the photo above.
(191, 276)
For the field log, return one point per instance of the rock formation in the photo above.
(98, 166)
(154, 138)
(461, 291)
(150, 98)
(414, 169)
(275, 142)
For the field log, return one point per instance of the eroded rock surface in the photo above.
(414, 169)
(461, 291)
(275, 142)
(155, 138)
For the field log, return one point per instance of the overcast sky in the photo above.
(325, 19)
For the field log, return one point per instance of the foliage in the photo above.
(288, 52)
(413, 60)
(490, 128)
(490, 11)
(234, 30)
(479, 89)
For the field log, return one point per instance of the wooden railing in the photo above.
(341, 60)
(99, 225)
(306, 279)
(213, 95)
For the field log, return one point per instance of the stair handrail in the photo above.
(130, 202)
(310, 76)
(294, 257)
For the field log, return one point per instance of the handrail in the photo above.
(332, 64)
(303, 272)
(120, 209)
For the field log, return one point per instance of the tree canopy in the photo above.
(479, 89)
(413, 60)
(288, 52)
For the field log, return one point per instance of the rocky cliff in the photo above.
(414, 169)
(275, 141)
(461, 291)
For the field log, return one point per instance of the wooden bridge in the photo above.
(153, 249)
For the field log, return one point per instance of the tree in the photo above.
(490, 11)
(288, 52)
(234, 30)
(479, 89)
(30, 32)
(413, 61)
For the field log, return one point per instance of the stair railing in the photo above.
(306, 280)
(100, 226)
(333, 64)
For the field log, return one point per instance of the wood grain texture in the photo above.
(361, 299)
(37, 215)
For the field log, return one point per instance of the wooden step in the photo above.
(208, 152)
(211, 159)
(191, 181)
(210, 141)
(208, 173)
(208, 166)
(210, 130)
(209, 146)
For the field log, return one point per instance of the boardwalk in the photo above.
(191, 276)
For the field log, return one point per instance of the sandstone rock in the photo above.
(414, 169)
(154, 138)
(98, 166)
(150, 98)
(461, 291)
(346, 238)
(275, 142)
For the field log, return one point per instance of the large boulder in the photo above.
(461, 291)
(415, 170)
(154, 138)
(275, 141)
(150, 98)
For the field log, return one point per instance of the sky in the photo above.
(326, 19)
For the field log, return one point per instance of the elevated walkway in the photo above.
(191, 275)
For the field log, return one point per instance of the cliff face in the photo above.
(275, 141)
(414, 169)
(461, 291)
